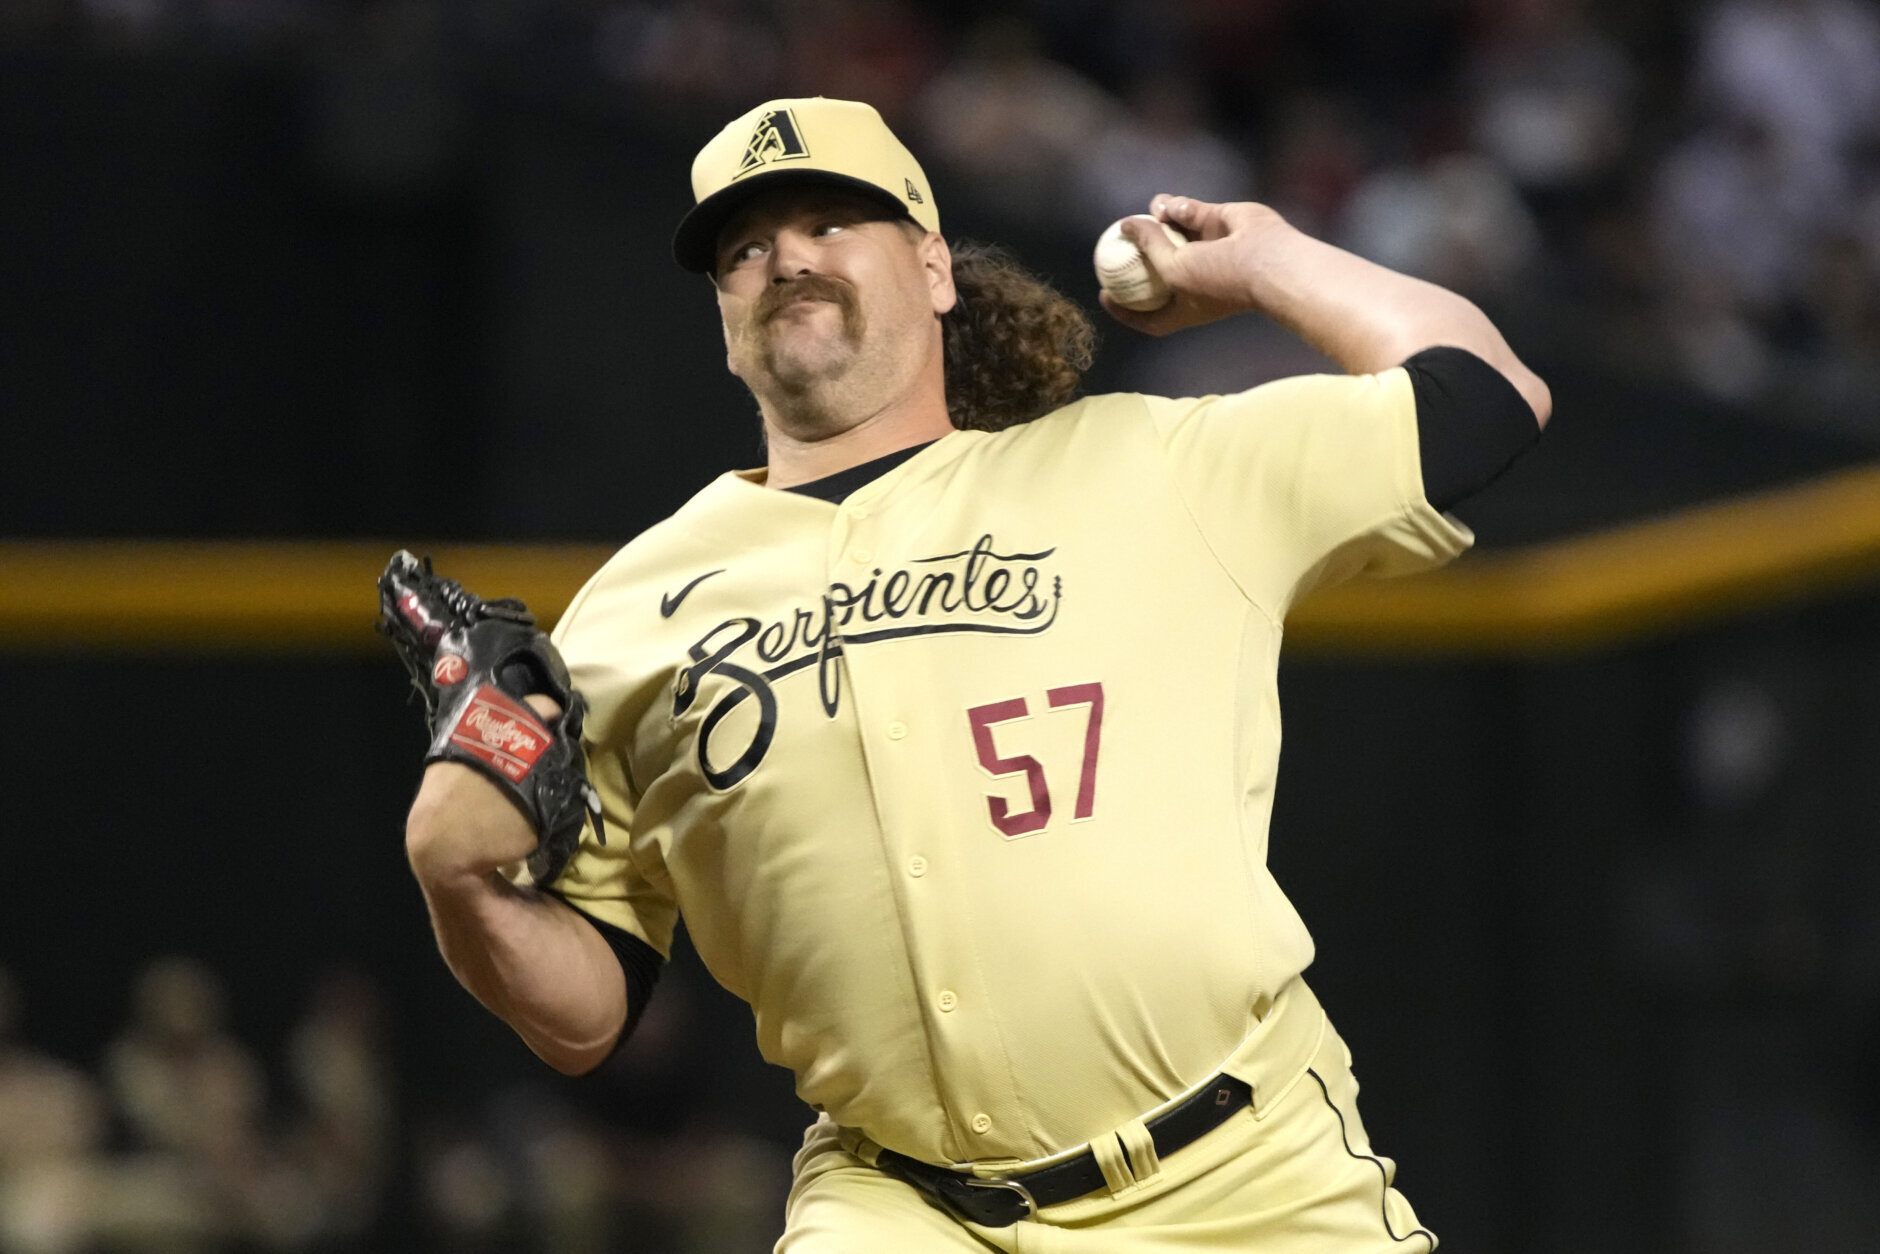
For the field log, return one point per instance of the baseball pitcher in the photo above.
(952, 731)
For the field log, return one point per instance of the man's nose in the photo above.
(791, 256)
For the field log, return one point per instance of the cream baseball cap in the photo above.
(813, 139)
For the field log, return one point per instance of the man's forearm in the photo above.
(528, 957)
(1246, 258)
(536, 964)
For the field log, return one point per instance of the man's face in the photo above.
(821, 290)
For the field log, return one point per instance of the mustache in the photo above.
(779, 296)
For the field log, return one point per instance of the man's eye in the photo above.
(830, 228)
(746, 252)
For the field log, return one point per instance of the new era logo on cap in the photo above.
(775, 139)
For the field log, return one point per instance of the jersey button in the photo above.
(917, 866)
(947, 1000)
(982, 1123)
(861, 557)
(858, 511)
(897, 731)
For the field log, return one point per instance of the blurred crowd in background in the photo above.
(1687, 188)
(172, 1144)
(185, 1138)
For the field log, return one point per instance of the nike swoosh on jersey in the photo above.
(669, 604)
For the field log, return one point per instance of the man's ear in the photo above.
(936, 261)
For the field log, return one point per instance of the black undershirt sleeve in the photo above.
(1471, 423)
(639, 962)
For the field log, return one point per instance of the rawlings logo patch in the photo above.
(450, 669)
(500, 731)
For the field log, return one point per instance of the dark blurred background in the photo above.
(1603, 928)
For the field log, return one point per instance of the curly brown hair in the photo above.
(1016, 347)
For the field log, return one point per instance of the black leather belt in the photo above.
(1000, 1201)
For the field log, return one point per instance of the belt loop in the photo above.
(1108, 1151)
(1144, 1163)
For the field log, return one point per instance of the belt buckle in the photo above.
(1000, 1182)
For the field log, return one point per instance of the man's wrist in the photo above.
(441, 859)
(1272, 246)
(462, 829)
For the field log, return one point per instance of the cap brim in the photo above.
(695, 243)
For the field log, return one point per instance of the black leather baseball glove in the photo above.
(473, 661)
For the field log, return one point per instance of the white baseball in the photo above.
(1125, 273)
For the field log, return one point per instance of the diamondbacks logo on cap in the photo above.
(775, 139)
(913, 193)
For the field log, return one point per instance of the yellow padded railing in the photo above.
(318, 597)
(282, 597)
(1648, 578)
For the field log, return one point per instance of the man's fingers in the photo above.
(1197, 219)
(543, 705)
(1190, 243)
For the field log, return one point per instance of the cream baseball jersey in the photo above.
(963, 784)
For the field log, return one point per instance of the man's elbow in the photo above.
(1534, 391)
(577, 1058)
